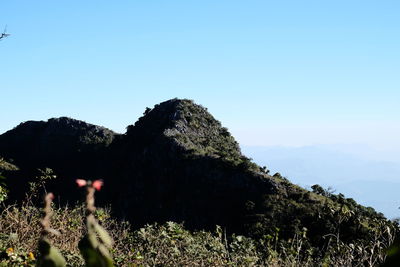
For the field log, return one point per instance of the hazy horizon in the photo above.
(355, 171)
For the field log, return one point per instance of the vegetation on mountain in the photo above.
(177, 178)
(168, 244)
(72, 148)
(4, 166)
(178, 164)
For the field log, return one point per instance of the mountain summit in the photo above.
(191, 127)
(180, 162)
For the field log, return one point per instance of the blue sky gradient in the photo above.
(289, 73)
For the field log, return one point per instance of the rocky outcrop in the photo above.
(178, 163)
(40, 142)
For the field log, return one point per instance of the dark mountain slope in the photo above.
(38, 142)
(178, 163)
(72, 148)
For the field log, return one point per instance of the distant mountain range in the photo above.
(177, 163)
(355, 171)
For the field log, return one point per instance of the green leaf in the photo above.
(49, 255)
(104, 236)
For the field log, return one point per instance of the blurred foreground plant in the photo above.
(95, 245)
(49, 255)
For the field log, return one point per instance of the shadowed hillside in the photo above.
(178, 163)
(71, 147)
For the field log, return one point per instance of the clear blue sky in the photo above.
(273, 72)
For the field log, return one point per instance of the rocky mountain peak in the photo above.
(189, 126)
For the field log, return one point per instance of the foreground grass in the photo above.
(170, 244)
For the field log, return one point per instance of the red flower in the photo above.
(81, 182)
(97, 184)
